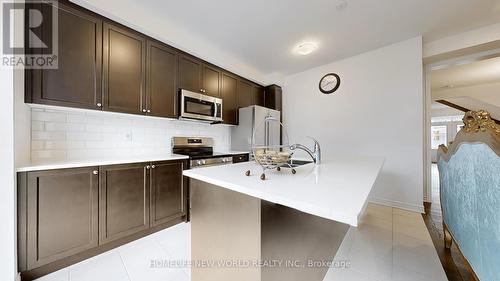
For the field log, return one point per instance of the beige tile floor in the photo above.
(390, 244)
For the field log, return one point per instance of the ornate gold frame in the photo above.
(478, 128)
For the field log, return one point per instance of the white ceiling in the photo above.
(262, 33)
(472, 103)
(476, 73)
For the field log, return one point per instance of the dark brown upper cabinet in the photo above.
(211, 81)
(77, 80)
(161, 76)
(199, 77)
(273, 97)
(103, 65)
(123, 201)
(245, 93)
(124, 70)
(189, 73)
(230, 99)
(168, 192)
(258, 95)
(58, 214)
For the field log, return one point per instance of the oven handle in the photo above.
(213, 165)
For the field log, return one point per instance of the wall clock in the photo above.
(329, 83)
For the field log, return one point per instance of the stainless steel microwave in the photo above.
(196, 106)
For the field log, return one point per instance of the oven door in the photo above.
(200, 107)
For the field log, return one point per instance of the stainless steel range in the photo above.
(200, 151)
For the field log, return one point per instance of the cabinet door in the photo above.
(123, 201)
(245, 94)
(168, 193)
(258, 95)
(62, 214)
(124, 70)
(211, 81)
(230, 99)
(189, 72)
(77, 80)
(273, 97)
(161, 80)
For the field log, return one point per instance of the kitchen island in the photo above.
(287, 227)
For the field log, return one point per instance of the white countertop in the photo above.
(338, 189)
(102, 162)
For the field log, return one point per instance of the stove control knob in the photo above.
(224, 160)
(198, 162)
(203, 162)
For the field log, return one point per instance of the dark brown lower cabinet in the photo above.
(240, 158)
(68, 215)
(60, 216)
(123, 201)
(168, 192)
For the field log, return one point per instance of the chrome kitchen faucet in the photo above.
(315, 154)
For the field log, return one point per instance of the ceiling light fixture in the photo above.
(306, 48)
(341, 5)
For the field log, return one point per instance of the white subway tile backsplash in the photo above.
(101, 128)
(37, 125)
(48, 154)
(48, 116)
(69, 134)
(67, 127)
(37, 145)
(58, 145)
(76, 117)
(42, 135)
(84, 136)
(99, 144)
(75, 144)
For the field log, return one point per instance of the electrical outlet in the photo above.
(128, 136)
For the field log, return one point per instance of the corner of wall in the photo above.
(22, 122)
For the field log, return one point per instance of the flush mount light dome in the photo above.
(306, 48)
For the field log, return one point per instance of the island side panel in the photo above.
(225, 226)
(289, 235)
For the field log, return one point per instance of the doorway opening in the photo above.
(454, 86)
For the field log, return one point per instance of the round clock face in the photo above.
(329, 83)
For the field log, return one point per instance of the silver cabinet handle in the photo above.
(147, 167)
(99, 104)
(153, 166)
(149, 110)
(144, 110)
(95, 172)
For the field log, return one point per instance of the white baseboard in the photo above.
(399, 205)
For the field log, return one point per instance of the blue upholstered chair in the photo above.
(469, 174)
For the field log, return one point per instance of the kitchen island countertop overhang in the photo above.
(338, 189)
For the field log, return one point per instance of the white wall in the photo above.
(8, 265)
(378, 111)
(59, 134)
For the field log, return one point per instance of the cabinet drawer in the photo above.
(240, 158)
